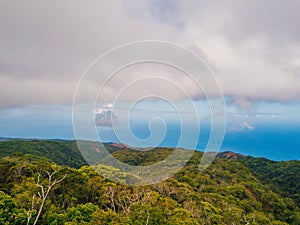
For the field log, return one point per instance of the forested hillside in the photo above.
(234, 190)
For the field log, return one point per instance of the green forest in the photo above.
(49, 182)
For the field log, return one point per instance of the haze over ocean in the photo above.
(274, 140)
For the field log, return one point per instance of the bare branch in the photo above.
(42, 195)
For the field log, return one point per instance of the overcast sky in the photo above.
(253, 47)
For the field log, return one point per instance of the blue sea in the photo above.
(276, 141)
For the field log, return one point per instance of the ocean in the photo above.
(272, 141)
(276, 141)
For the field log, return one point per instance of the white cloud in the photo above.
(104, 116)
(45, 46)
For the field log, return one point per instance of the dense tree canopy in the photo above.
(239, 190)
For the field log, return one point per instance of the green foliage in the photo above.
(282, 176)
(238, 190)
(9, 213)
(60, 152)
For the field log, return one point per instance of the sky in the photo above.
(252, 47)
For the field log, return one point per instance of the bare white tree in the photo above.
(42, 196)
